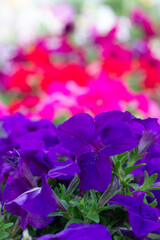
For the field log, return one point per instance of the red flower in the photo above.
(64, 73)
(151, 68)
(20, 79)
(38, 54)
(116, 59)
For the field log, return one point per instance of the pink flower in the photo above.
(140, 18)
(104, 94)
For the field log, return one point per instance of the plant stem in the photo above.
(16, 227)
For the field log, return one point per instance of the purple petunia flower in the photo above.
(148, 131)
(22, 197)
(34, 206)
(143, 218)
(80, 232)
(30, 139)
(93, 141)
(64, 170)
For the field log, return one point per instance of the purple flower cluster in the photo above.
(32, 152)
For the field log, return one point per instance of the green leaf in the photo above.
(85, 197)
(5, 226)
(129, 178)
(140, 156)
(136, 151)
(135, 186)
(123, 157)
(130, 169)
(131, 185)
(146, 176)
(93, 196)
(63, 189)
(74, 203)
(150, 194)
(4, 235)
(153, 236)
(64, 203)
(120, 238)
(148, 181)
(153, 188)
(55, 214)
(100, 209)
(117, 164)
(154, 203)
(132, 158)
(94, 218)
(73, 220)
(69, 210)
(76, 213)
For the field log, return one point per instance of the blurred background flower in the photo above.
(63, 57)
